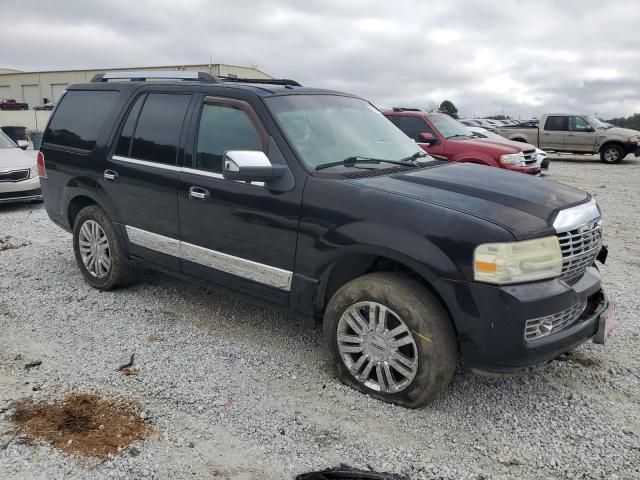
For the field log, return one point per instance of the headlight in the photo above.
(33, 171)
(512, 159)
(516, 262)
(633, 139)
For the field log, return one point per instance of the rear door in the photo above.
(553, 134)
(141, 175)
(239, 235)
(581, 136)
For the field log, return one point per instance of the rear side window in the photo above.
(157, 132)
(79, 118)
(556, 124)
(223, 127)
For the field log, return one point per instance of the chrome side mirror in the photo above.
(250, 166)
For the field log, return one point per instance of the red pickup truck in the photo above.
(13, 105)
(439, 134)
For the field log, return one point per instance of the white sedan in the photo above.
(18, 173)
(480, 132)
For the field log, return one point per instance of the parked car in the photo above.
(46, 106)
(13, 105)
(312, 201)
(18, 174)
(577, 134)
(479, 132)
(439, 134)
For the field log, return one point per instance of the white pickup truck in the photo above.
(572, 133)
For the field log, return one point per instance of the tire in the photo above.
(428, 340)
(612, 154)
(116, 270)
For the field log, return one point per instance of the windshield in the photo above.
(448, 127)
(595, 122)
(331, 128)
(6, 142)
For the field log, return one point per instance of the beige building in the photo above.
(38, 88)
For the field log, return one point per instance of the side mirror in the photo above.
(427, 138)
(22, 144)
(589, 129)
(250, 166)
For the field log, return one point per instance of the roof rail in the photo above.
(268, 81)
(405, 109)
(142, 76)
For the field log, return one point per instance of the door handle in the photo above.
(198, 193)
(110, 175)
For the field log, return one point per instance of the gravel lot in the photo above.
(236, 391)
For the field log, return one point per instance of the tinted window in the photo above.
(556, 124)
(79, 118)
(413, 127)
(578, 124)
(124, 142)
(159, 126)
(222, 128)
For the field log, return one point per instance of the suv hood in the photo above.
(623, 132)
(485, 143)
(524, 205)
(14, 158)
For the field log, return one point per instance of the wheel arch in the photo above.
(610, 143)
(76, 204)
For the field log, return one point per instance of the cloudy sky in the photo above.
(520, 57)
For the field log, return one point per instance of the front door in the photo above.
(239, 235)
(580, 137)
(141, 176)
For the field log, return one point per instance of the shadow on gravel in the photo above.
(81, 424)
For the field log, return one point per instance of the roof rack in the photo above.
(142, 76)
(267, 81)
(405, 109)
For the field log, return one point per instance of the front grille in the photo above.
(543, 326)
(579, 250)
(14, 175)
(530, 157)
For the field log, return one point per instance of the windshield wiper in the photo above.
(350, 161)
(415, 156)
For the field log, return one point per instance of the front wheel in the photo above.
(389, 337)
(612, 154)
(99, 253)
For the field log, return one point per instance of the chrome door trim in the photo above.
(241, 267)
(145, 163)
(202, 173)
(153, 241)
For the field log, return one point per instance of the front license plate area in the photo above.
(606, 324)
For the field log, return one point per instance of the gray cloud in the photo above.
(520, 57)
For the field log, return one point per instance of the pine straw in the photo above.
(81, 424)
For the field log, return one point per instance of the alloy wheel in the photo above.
(94, 249)
(377, 347)
(611, 154)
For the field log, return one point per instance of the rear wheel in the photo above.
(99, 253)
(612, 154)
(389, 337)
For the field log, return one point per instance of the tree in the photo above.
(449, 108)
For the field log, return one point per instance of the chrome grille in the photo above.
(579, 250)
(543, 326)
(14, 175)
(530, 157)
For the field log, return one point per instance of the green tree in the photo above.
(449, 108)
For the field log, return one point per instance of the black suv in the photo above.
(313, 201)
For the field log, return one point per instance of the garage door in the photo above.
(57, 89)
(31, 95)
(5, 93)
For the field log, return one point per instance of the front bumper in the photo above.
(533, 170)
(26, 190)
(633, 148)
(491, 320)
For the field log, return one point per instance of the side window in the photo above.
(556, 124)
(79, 118)
(413, 127)
(124, 142)
(223, 127)
(159, 126)
(578, 124)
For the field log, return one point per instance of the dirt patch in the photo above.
(11, 243)
(81, 424)
(514, 462)
(584, 361)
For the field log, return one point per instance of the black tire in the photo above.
(612, 154)
(120, 271)
(428, 323)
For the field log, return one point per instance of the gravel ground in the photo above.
(237, 391)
